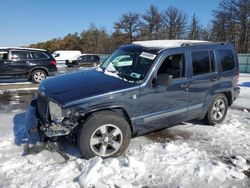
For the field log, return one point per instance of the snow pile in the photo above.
(196, 155)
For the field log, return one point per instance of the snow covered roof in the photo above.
(167, 43)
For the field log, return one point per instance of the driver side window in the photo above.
(173, 65)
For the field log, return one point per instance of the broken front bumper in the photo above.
(48, 128)
(55, 129)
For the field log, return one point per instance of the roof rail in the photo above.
(21, 48)
(170, 43)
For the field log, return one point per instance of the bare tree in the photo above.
(194, 29)
(152, 22)
(242, 19)
(232, 23)
(129, 24)
(174, 22)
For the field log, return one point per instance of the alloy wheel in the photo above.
(218, 109)
(39, 76)
(106, 140)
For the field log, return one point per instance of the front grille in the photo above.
(42, 106)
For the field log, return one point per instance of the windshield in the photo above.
(130, 63)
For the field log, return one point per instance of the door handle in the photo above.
(214, 79)
(184, 86)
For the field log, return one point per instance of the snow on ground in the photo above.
(188, 155)
(243, 102)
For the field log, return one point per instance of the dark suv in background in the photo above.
(34, 64)
(86, 60)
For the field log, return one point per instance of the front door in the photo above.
(162, 106)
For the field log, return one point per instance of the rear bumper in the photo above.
(236, 93)
(71, 64)
(52, 73)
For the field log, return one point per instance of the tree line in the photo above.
(230, 23)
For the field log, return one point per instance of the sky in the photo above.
(24, 22)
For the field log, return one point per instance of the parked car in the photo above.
(168, 82)
(85, 60)
(121, 61)
(34, 64)
(103, 57)
(61, 56)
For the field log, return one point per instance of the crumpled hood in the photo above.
(71, 87)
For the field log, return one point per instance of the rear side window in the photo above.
(90, 58)
(97, 58)
(19, 55)
(38, 55)
(202, 62)
(227, 59)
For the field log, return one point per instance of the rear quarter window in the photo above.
(227, 59)
(38, 55)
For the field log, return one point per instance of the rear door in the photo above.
(19, 62)
(82, 60)
(90, 60)
(203, 77)
(38, 59)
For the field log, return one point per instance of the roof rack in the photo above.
(171, 43)
(21, 48)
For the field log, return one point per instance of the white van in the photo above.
(62, 55)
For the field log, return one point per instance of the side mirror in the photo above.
(164, 79)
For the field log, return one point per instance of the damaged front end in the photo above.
(51, 122)
(54, 121)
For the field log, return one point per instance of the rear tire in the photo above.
(104, 134)
(38, 75)
(217, 110)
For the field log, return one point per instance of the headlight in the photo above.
(55, 112)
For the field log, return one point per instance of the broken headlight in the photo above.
(55, 112)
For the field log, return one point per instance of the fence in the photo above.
(244, 62)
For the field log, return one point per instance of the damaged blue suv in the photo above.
(142, 87)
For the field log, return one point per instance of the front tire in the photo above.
(217, 111)
(104, 134)
(38, 75)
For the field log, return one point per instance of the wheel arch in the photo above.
(229, 97)
(119, 110)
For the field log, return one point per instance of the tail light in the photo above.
(53, 62)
